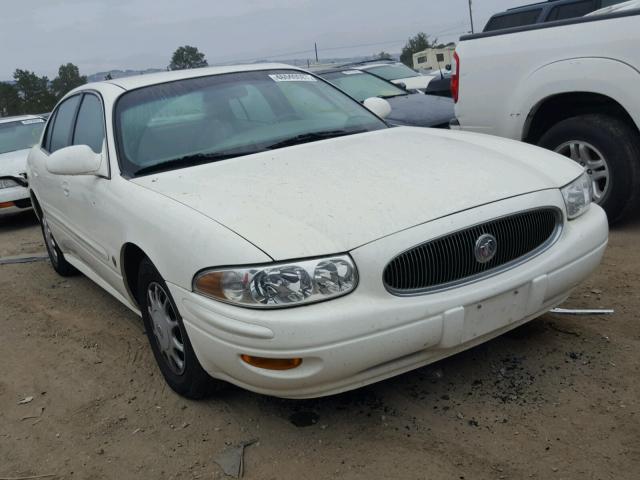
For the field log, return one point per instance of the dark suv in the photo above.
(548, 11)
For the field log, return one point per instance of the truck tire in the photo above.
(609, 149)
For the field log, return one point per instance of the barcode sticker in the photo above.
(292, 77)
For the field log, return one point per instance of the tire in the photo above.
(617, 183)
(56, 257)
(165, 330)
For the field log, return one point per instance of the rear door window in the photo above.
(90, 124)
(511, 20)
(63, 124)
(609, 3)
(571, 10)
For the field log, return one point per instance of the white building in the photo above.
(433, 58)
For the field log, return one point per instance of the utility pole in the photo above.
(471, 16)
(316, 47)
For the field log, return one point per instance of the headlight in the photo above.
(280, 285)
(8, 183)
(577, 196)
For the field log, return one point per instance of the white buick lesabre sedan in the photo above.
(274, 233)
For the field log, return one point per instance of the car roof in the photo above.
(19, 118)
(138, 81)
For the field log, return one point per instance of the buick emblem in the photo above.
(486, 248)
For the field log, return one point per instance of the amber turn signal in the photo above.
(209, 284)
(272, 363)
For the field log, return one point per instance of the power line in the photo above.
(451, 28)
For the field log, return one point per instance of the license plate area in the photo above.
(495, 312)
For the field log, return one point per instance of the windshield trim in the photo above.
(124, 173)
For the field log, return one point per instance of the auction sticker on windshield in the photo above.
(292, 77)
(351, 72)
(32, 121)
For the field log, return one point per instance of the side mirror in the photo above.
(379, 106)
(74, 160)
(402, 85)
(447, 67)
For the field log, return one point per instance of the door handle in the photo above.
(65, 188)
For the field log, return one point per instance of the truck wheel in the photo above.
(168, 338)
(609, 150)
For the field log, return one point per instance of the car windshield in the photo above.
(20, 135)
(361, 85)
(205, 119)
(393, 72)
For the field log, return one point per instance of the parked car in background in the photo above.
(407, 108)
(542, 12)
(17, 136)
(580, 100)
(397, 73)
(440, 85)
(274, 233)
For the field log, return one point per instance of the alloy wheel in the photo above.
(166, 329)
(594, 163)
(50, 241)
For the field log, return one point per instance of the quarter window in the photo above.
(571, 10)
(63, 124)
(90, 124)
(511, 20)
(46, 141)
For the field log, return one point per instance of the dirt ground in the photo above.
(555, 399)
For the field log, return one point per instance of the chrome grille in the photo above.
(451, 260)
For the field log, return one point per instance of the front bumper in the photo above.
(370, 334)
(14, 199)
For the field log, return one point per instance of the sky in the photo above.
(101, 35)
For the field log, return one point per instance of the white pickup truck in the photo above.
(569, 86)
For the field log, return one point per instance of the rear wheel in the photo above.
(609, 150)
(58, 262)
(168, 338)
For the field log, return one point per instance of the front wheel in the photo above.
(168, 338)
(609, 150)
(56, 257)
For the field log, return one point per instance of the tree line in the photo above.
(31, 93)
(34, 94)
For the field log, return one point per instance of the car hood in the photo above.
(332, 196)
(13, 163)
(420, 110)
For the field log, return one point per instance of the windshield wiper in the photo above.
(188, 161)
(312, 137)
(394, 95)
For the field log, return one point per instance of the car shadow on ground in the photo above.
(502, 373)
(11, 222)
